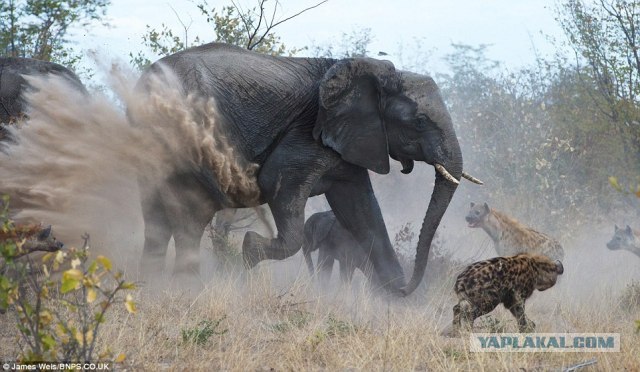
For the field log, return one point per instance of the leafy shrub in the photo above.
(59, 316)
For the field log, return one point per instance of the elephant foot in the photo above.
(188, 282)
(253, 249)
(151, 269)
(187, 265)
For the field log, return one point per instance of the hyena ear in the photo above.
(44, 234)
(486, 207)
(616, 228)
(559, 267)
(628, 229)
(472, 204)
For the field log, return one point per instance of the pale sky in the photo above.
(512, 27)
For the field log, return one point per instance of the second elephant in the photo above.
(323, 232)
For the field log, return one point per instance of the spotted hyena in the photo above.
(627, 239)
(28, 238)
(502, 280)
(509, 236)
(31, 238)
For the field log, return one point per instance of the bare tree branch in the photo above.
(185, 27)
(269, 26)
(242, 18)
(257, 28)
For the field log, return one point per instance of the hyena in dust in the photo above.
(509, 236)
(627, 239)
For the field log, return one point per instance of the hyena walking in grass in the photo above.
(627, 239)
(509, 236)
(502, 280)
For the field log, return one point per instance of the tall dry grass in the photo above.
(269, 323)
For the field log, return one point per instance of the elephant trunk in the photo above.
(440, 198)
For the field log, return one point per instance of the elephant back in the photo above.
(13, 84)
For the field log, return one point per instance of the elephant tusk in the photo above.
(443, 171)
(472, 178)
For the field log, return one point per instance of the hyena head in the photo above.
(623, 239)
(548, 271)
(38, 238)
(478, 214)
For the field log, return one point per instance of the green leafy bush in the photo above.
(59, 316)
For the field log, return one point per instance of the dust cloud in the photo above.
(78, 157)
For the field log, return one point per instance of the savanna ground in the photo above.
(276, 317)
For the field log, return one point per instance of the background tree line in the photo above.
(546, 138)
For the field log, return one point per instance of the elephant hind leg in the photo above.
(325, 264)
(188, 233)
(347, 268)
(157, 233)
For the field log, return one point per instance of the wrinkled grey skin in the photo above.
(323, 232)
(13, 84)
(314, 126)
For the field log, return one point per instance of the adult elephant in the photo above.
(13, 83)
(313, 126)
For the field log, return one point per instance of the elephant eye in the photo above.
(422, 121)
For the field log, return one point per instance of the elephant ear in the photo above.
(350, 111)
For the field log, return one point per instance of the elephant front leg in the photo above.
(288, 213)
(325, 264)
(356, 208)
(286, 180)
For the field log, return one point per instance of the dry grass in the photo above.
(295, 326)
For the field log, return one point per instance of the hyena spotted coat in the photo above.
(627, 239)
(509, 236)
(502, 280)
(30, 238)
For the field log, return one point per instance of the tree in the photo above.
(351, 45)
(40, 28)
(605, 36)
(250, 29)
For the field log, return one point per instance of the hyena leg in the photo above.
(464, 313)
(525, 325)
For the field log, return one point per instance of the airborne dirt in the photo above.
(78, 158)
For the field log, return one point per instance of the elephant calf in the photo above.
(323, 232)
